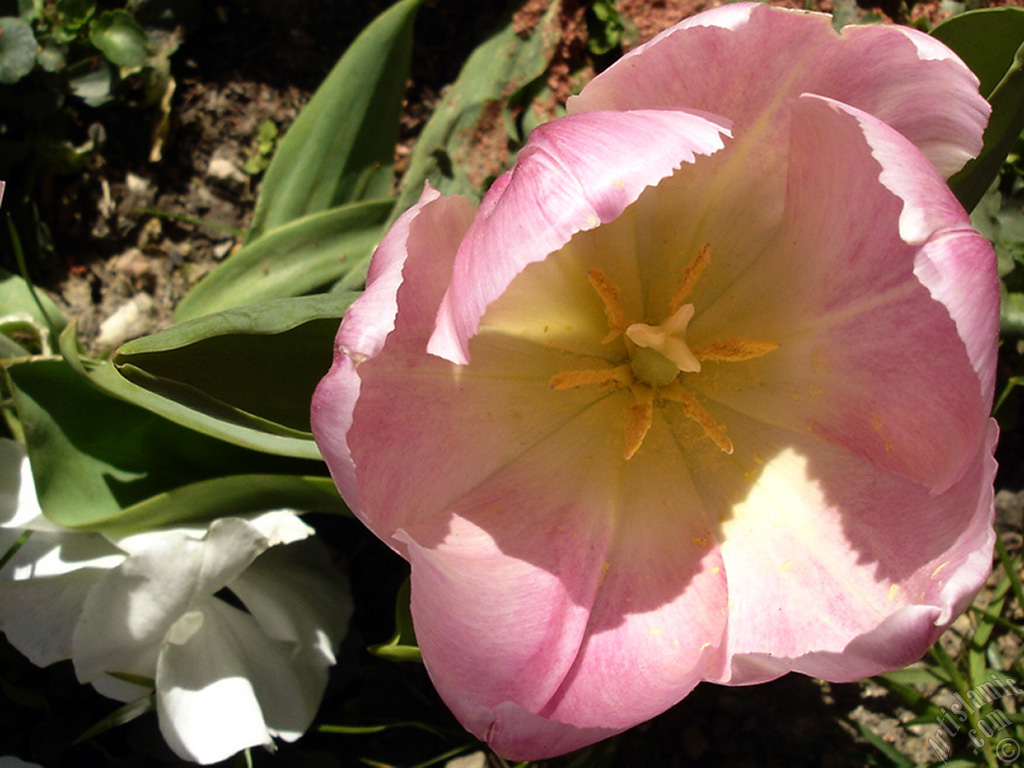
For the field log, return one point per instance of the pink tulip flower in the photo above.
(699, 392)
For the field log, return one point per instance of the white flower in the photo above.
(16, 762)
(148, 606)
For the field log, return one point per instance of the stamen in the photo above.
(691, 275)
(735, 349)
(572, 379)
(639, 418)
(656, 355)
(609, 293)
(695, 411)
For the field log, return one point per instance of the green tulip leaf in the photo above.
(991, 43)
(17, 49)
(297, 258)
(986, 40)
(121, 715)
(341, 147)
(448, 152)
(120, 38)
(188, 407)
(232, 362)
(19, 299)
(95, 456)
(217, 497)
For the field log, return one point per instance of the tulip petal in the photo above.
(856, 315)
(659, 613)
(766, 57)
(859, 570)
(573, 175)
(439, 223)
(227, 686)
(596, 610)
(408, 397)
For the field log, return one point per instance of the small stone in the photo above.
(473, 760)
(129, 321)
(225, 173)
(222, 249)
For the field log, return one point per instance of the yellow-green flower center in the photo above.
(653, 368)
(657, 355)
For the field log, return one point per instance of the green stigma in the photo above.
(653, 368)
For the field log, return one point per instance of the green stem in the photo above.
(996, 619)
(1011, 570)
(960, 684)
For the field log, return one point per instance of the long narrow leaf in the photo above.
(297, 258)
(229, 365)
(243, 432)
(448, 152)
(341, 147)
(94, 455)
(223, 496)
(991, 43)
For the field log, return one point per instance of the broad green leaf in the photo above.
(17, 49)
(262, 359)
(1011, 313)
(95, 456)
(19, 300)
(448, 152)
(191, 409)
(341, 147)
(217, 497)
(297, 258)
(118, 35)
(986, 40)
(991, 43)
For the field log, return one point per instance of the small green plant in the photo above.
(60, 60)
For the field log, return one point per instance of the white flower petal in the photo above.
(39, 615)
(51, 554)
(8, 761)
(229, 686)
(281, 526)
(128, 616)
(19, 506)
(295, 594)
